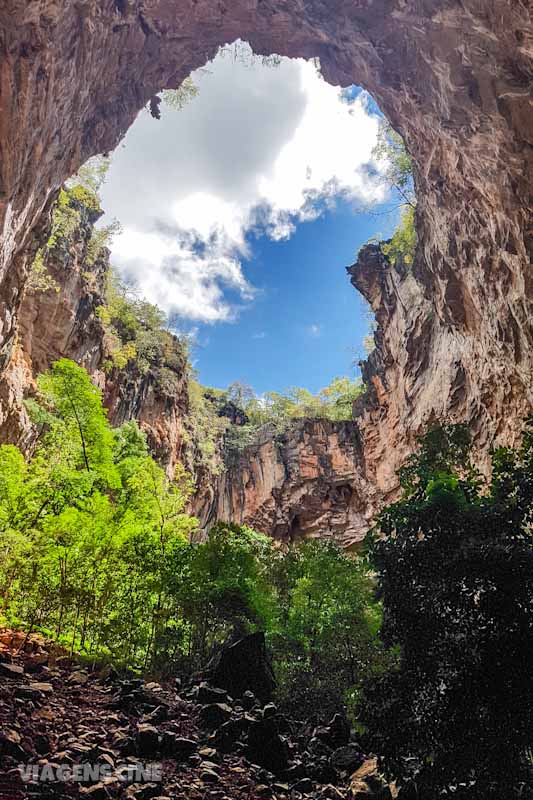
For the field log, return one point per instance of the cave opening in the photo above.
(235, 202)
(59, 122)
(211, 247)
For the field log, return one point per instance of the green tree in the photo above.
(86, 525)
(177, 99)
(455, 575)
(211, 590)
(397, 169)
(325, 641)
(76, 422)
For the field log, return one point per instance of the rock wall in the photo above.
(162, 414)
(307, 483)
(57, 319)
(61, 321)
(453, 76)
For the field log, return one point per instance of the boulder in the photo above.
(10, 670)
(266, 747)
(225, 737)
(330, 792)
(347, 758)
(78, 677)
(322, 771)
(270, 710)
(10, 744)
(209, 776)
(145, 791)
(177, 747)
(318, 747)
(96, 792)
(339, 729)
(366, 782)
(147, 740)
(336, 733)
(295, 772)
(46, 688)
(244, 666)
(208, 694)
(248, 700)
(214, 715)
(408, 792)
(304, 786)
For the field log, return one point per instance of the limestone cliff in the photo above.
(60, 319)
(306, 483)
(56, 319)
(454, 77)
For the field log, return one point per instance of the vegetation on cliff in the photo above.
(272, 412)
(455, 575)
(77, 205)
(135, 336)
(136, 331)
(98, 552)
(397, 167)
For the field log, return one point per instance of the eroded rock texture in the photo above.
(59, 319)
(454, 77)
(307, 483)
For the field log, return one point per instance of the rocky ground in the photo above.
(57, 717)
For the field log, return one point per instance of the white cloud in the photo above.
(314, 330)
(259, 148)
(260, 335)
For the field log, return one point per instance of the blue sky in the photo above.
(240, 212)
(307, 323)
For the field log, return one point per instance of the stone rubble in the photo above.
(209, 744)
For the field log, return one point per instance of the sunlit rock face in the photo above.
(306, 483)
(453, 76)
(61, 320)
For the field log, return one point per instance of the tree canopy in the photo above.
(455, 575)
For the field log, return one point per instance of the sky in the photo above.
(240, 212)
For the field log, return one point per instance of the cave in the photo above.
(453, 342)
(74, 76)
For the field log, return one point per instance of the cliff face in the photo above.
(56, 319)
(306, 483)
(453, 76)
(59, 319)
(161, 413)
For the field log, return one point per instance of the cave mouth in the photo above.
(241, 198)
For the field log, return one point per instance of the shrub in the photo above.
(455, 574)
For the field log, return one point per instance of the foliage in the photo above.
(216, 589)
(91, 175)
(86, 524)
(233, 419)
(324, 637)
(77, 432)
(100, 239)
(97, 551)
(456, 580)
(390, 150)
(77, 203)
(369, 343)
(400, 249)
(277, 410)
(136, 330)
(178, 98)
(398, 170)
(39, 278)
(205, 427)
(241, 52)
